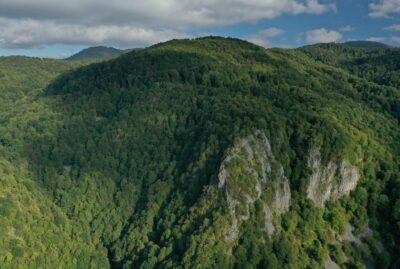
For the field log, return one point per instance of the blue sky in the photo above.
(55, 28)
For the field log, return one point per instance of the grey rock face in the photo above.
(251, 173)
(249, 168)
(332, 181)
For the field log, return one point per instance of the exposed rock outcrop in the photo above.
(249, 169)
(332, 181)
(251, 173)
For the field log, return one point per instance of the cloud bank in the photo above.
(27, 23)
(34, 33)
(384, 8)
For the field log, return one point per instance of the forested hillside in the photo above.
(379, 65)
(34, 231)
(205, 153)
(99, 53)
(366, 44)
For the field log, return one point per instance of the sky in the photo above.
(60, 28)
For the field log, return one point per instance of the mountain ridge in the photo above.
(366, 44)
(97, 53)
(213, 153)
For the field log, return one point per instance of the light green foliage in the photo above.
(122, 158)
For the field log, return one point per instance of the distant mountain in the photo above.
(97, 53)
(366, 44)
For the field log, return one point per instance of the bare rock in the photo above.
(245, 174)
(330, 181)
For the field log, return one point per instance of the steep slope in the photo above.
(379, 65)
(97, 54)
(376, 66)
(34, 232)
(24, 76)
(216, 153)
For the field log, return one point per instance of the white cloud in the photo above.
(40, 22)
(347, 28)
(377, 39)
(394, 27)
(262, 38)
(270, 32)
(165, 13)
(34, 33)
(384, 8)
(395, 39)
(323, 35)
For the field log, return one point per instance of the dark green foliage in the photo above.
(96, 54)
(378, 66)
(366, 44)
(122, 158)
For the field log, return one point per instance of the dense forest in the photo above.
(204, 153)
(98, 53)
